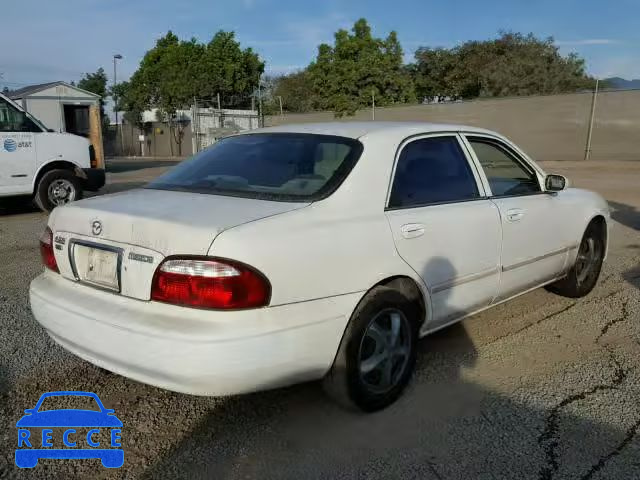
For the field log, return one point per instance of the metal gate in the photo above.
(211, 124)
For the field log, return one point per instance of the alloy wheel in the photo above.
(385, 350)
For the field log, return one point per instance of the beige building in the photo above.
(60, 106)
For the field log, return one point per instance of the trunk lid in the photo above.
(143, 226)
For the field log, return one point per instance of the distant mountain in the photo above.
(617, 83)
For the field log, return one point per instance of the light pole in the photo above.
(117, 57)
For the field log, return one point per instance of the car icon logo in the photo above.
(96, 227)
(92, 431)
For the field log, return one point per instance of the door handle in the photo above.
(515, 214)
(412, 230)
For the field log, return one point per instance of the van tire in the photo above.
(54, 186)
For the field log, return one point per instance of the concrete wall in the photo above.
(547, 127)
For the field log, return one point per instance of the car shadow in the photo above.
(444, 426)
(625, 214)
(122, 164)
(17, 206)
(632, 276)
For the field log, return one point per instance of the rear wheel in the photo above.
(584, 274)
(378, 351)
(57, 187)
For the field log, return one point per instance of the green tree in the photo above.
(127, 101)
(174, 72)
(226, 69)
(96, 83)
(296, 91)
(432, 72)
(345, 76)
(512, 64)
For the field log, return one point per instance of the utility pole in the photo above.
(280, 99)
(219, 108)
(373, 105)
(116, 57)
(195, 126)
(587, 150)
(260, 104)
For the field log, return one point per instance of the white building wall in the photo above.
(49, 112)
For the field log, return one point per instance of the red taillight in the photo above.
(46, 250)
(209, 283)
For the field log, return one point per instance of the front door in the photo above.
(444, 227)
(17, 150)
(534, 247)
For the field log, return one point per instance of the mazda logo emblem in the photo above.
(96, 227)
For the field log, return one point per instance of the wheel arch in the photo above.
(56, 165)
(411, 289)
(335, 379)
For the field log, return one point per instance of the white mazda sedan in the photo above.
(312, 251)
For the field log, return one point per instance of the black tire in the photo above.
(345, 382)
(583, 275)
(45, 199)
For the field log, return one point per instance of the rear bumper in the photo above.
(96, 178)
(188, 350)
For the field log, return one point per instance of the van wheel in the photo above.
(57, 187)
(583, 276)
(377, 355)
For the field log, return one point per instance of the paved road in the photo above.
(541, 388)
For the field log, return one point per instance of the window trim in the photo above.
(513, 151)
(482, 192)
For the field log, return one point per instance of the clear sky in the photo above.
(48, 40)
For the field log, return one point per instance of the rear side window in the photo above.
(272, 166)
(506, 175)
(432, 170)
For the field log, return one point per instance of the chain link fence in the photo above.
(191, 130)
(211, 119)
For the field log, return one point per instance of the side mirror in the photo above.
(555, 183)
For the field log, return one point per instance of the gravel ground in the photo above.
(543, 387)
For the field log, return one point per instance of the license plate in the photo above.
(97, 266)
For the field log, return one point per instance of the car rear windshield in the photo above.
(271, 166)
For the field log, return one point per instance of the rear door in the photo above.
(443, 225)
(534, 243)
(17, 149)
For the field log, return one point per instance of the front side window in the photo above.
(506, 175)
(271, 166)
(14, 120)
(432, 170)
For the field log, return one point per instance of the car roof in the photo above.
(360, 129)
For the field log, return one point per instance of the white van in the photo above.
(53, 168)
